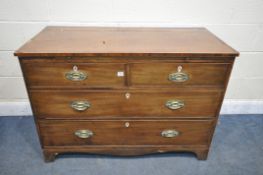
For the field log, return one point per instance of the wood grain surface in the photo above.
(54, 74)
(61, 133)
(204, 74)
(141, 103)
(88, 41)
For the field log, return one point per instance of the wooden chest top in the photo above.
(94, 41)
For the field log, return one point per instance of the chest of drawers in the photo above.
(125, 91)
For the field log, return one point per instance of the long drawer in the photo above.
(179, 74)
(123, 132)
(75, 75)
(144, 103)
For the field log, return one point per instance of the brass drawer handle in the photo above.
(76, 75)
(174, 104)
(80, 105)
(169, 133)
(179, 76)
(84, 133)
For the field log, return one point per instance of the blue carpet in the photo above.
(237, 149)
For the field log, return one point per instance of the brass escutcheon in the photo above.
(76, 75)
(178, 76)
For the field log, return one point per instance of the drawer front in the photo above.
(76, 75)
(177, 74)
(88, 104)
(66, 133)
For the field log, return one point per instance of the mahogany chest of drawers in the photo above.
(125, 91)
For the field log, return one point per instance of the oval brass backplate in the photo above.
(80, 105)
(174, 104)
(169, 133)
(178, 77)
(76, 75)
(84, 133)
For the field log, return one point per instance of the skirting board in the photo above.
(229, 107)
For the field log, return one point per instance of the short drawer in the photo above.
(89, 104)
(179, 74)
(124, 132)
(74, 75)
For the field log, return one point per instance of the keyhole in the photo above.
(179, 68)
(127, 95)
(127, 124)
(75, 68)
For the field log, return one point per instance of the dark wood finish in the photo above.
(142, 103)
(110, 132)
(127, 150)
(147, 56)
(49, 156)
(202, 154)
(125, 59)
(83, 41)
